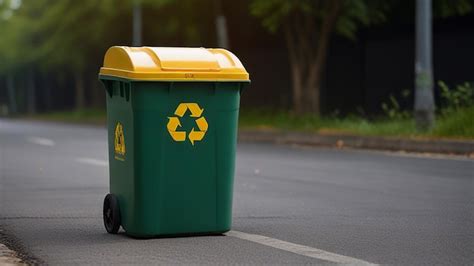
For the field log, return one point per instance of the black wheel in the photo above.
(111, 213)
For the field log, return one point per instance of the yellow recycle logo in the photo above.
(119, 142)
(174, 123)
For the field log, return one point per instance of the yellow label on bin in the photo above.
(174, 123)
(119, 143)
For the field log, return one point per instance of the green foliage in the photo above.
(179, 22)
(392, 108)
(358, 13)
(67, 43)
(15, 42)
(271, 119)
(353, 13)
(57, 34)
(459, 123)
(274, 12)
(455, 99)
(448, 8)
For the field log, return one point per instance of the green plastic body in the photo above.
(165, 187)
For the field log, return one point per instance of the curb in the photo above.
(459, 147)
(12, 252)
(9, 257)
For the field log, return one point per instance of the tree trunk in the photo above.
(296, 73)
(80, 100)
(297, 90)
(314, 78)
(307, 64)
(317, 66)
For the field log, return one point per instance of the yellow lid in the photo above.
(173, 64)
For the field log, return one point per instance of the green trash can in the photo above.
(172, 116)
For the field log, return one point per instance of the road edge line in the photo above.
(92, 161)
(298, 249)
(41, 141)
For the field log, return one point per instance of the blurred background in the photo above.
(343, 66)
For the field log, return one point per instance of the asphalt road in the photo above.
(377, 207)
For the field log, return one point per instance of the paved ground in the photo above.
(371, 206)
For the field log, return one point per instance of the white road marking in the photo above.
(298, 249)
(41, 141)
(92, 161)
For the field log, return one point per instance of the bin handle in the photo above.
(108, 87)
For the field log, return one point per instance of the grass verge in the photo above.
(456, 125)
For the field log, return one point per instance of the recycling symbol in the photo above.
(174, 123)
(119, 142)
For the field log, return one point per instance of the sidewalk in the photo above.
(458, 147)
